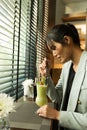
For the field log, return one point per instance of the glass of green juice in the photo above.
(41, 98)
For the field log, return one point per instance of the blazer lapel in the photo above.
(77, 83)
(75, 91)
(65, 83)
(66, 79)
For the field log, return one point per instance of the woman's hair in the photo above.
(58, 32)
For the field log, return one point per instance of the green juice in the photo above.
(41, 98)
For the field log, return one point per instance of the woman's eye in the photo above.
(53, 47)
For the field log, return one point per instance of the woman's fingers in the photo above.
(42, 67)
(48, 112)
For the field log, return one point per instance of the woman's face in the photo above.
(61, 52)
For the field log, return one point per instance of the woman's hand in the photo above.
(44, 67)
(48, 112)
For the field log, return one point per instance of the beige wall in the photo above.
(60, 10)
(69, 7)
(76, 7)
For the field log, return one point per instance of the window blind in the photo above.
(6, 45)
(23, 43)
(33, 38)
(23, 27)
(42, 31)
(14, 61)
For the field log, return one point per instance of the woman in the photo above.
(64, 43)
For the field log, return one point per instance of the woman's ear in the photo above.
(67, 39)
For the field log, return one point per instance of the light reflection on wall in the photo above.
(82, 33)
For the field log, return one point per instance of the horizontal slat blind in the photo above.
(33, 39)
(27, 65)
(22, 47)
(6, 45)
(42, 31)
(23, 27)
(14, 45)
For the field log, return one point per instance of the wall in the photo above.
(60, 10)
(51, 15)
(69, 7)
(76, 7)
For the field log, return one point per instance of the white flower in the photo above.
(6, 105)
(28, 88)
(28, 82)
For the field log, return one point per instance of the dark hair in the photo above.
(58, 32)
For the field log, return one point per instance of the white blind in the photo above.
(6, 45)
(14, 61)
(42, 31)
(33, 38)
(23, 27)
